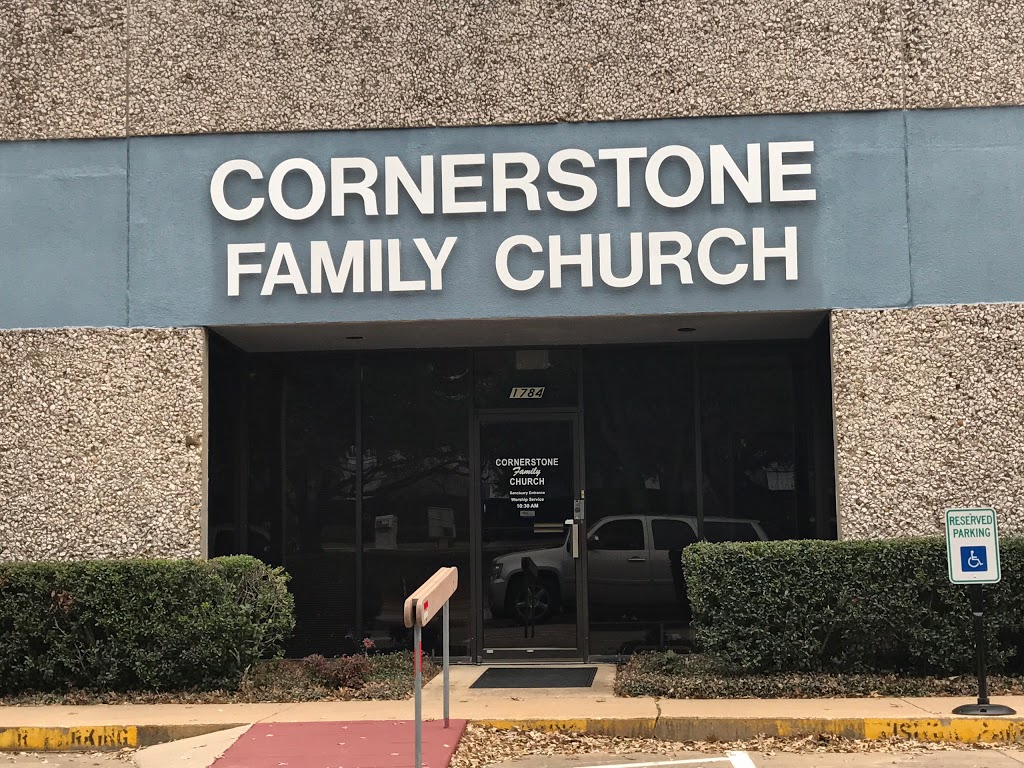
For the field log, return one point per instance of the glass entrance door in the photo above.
(532, 557)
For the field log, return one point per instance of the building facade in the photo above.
(543, 290)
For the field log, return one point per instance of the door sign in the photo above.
(527, 481)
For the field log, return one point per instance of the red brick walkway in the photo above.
(372, 744)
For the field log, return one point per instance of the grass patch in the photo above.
(386, 676)
(698, 676)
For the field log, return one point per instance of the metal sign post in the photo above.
(417, 645)
(420, 608)
(445, 664)
(972, 552)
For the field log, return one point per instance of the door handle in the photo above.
(575, 538)
(636, 559)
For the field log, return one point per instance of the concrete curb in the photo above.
(995, 730)
(101, 737)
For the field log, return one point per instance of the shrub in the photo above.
(268, 608)
(340, 672)
(394, 674)
(695, 676)
(849, 606)
(152, 625)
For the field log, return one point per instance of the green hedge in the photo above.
(849, 606)
(138, 625)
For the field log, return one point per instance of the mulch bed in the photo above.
(695, 676)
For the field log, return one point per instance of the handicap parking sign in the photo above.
(974, 559)
(972, 546)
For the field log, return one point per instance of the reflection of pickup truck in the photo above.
(628, 565)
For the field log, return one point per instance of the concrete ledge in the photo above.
(995, 730)
(101, 737)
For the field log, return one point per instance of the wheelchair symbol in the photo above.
(974, 559)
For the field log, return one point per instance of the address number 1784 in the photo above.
(526, 393)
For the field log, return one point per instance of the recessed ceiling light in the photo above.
(354, 338)
(686, 330)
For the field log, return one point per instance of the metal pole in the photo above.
(978, 609)
(417, 642)
(446, 636)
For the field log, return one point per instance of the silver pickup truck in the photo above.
(628, 565)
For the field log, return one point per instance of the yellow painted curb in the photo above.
(994, 730)
(100, 737)
(68, 739)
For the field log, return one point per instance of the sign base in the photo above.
(992, 710)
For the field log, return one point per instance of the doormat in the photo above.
(536, 677)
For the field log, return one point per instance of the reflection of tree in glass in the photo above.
(263, 496)
(415, 421)
(495, 479)
(747, 421)
(640, 405)
(319, 451)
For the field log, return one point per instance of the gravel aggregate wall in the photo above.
(929, 404)
(110, 68)
(101, 435)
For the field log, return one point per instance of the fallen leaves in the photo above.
(482, 746)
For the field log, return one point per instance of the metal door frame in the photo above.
(483, 417)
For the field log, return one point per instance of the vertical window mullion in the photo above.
(358, 544)
(698, 437)
(283, 456)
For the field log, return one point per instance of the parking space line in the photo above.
(740, 760)
(735, 759)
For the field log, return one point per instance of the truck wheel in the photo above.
(542, 597)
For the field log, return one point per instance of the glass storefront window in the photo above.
(320, 503)
(415, 490)
(262, 532)
(355, 473)
(750, 427)
(640, 448)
